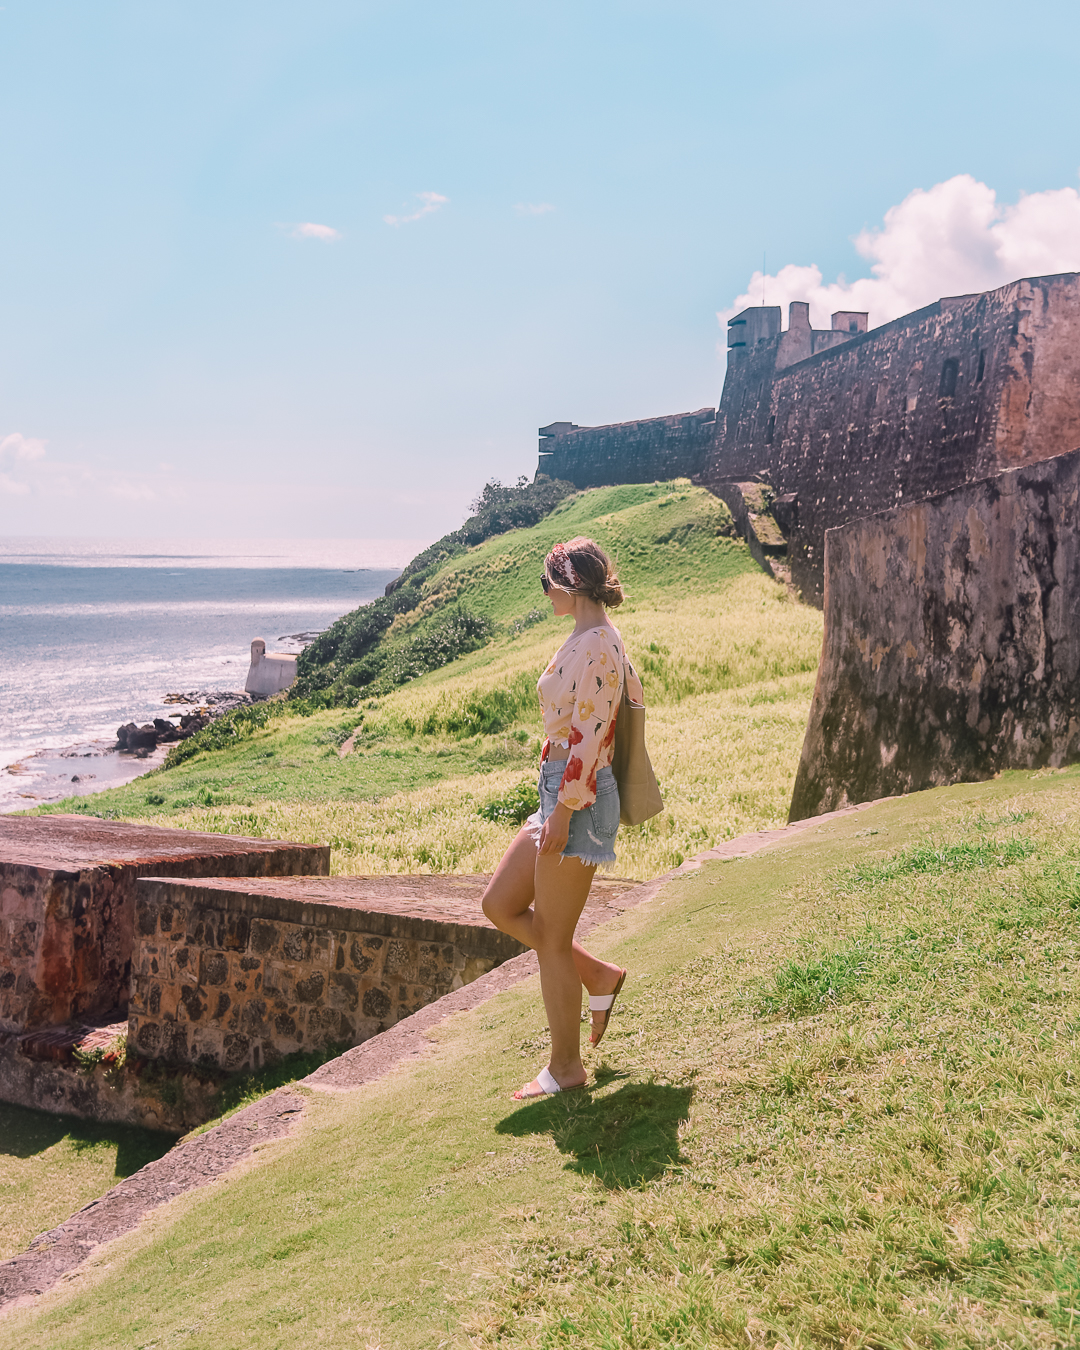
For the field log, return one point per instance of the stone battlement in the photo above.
(235, 973)
(67, 905)
(849, 421)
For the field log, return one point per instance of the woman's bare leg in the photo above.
(508, 904)
(561, 889)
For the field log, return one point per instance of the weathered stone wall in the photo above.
(234, 975)
(940, 397)
(121, 1093)
(629, 452)
(67, 905)
(952, 641)
(847, 423)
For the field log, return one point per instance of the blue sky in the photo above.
(174, 350)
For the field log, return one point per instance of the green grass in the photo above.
(727, 658)
(892, 1163)
(50, 1166)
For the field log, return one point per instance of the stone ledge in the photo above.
(72, 844)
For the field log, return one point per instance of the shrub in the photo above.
(349, 656)
(496, 510)
(228, 730)
(514, 807)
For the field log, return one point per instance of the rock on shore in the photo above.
(205, 707)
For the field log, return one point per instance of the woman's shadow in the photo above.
(626, 1138)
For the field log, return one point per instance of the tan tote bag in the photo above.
(639, 795)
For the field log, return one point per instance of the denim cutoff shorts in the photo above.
(593, 828)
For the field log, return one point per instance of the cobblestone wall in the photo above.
(226, 976)
(67, 904)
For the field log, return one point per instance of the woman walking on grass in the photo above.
(540, 887)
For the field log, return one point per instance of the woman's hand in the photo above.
(556, 830)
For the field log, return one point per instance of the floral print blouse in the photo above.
(580, 693)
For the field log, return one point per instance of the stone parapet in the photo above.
(648, 451)
(233, 974)
(952, 641)
(67, 905)
(954, 392)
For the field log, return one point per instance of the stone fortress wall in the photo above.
(845, 422)
(952, 641)
(947, 395)
(628, 452)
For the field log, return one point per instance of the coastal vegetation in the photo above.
(837, 1106)
(407, 770)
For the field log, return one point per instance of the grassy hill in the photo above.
(837, 1106)
(428, 775)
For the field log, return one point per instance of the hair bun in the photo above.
(589, 568)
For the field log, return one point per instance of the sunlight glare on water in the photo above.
(95, 632)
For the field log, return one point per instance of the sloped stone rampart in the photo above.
(646, 451)
(949, 394)
(67, 905)
(234, 974)
(952, 641)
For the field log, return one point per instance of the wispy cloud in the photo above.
(17, 446)
(432, 201)
(309, 230)
(951, 239)
(533, 208)
(25, 472)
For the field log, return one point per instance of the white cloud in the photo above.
(952, 239)
(533, 208)
(309, 230)
(432, 201)
(27, 473)
(19, 446)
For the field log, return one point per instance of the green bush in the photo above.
(496, 510)
(228, 730)
(514, 807)
(349, 655)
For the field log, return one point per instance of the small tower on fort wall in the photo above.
(761, 324)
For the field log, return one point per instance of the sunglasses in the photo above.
(545, 581)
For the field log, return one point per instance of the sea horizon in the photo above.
(96, 630)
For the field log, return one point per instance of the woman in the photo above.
(540, 887)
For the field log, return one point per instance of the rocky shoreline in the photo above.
(90, 766)
(206, 705)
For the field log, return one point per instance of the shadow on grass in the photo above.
(25, 1133)
(625, 1138)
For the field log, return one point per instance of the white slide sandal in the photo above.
(604, 1003)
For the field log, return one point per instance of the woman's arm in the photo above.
(555, 830)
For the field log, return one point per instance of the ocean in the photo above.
(95, 632)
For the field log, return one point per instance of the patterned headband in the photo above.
(561, 570)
